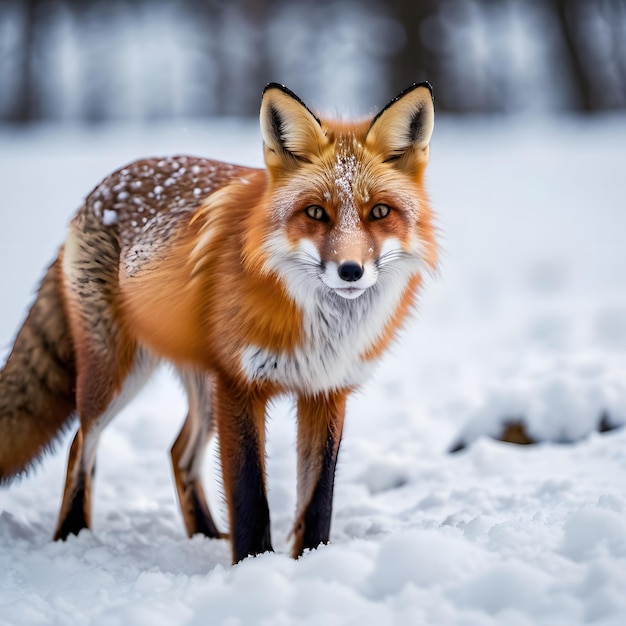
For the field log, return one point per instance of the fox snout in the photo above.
(349, 279)
(352, 280)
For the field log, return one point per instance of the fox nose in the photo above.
(350, 271)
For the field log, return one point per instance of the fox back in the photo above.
(251, 282)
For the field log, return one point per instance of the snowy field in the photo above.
(525, 321)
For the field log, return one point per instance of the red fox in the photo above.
(252, 283)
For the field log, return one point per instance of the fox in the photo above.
(290, 279)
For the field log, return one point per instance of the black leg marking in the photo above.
(318, 514)
(75, 519)
(251, 532)
(204, 521)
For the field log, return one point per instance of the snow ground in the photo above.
(527, 319)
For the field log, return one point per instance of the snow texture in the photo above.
(525, 320)
(345, 171)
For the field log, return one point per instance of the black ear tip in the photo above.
(278, 86)
(414, 86)
(427, 85)
(291, 94)
(283, 89)
(401, 95)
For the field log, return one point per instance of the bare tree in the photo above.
(241, 54)
(593, 35)
(25, 102)
(414, 61)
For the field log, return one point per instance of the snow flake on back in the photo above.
(109, 217)
(146, 200)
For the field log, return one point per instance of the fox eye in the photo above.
(316, 212)
(379, 211)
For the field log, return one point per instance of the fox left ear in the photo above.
(289, 129)
(402, 130)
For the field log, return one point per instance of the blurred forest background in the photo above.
(96, 60)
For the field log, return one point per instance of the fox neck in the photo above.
(341, 339)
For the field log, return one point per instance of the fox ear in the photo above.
(289, 129)
(402, 130)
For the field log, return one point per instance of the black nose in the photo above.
(350, 271)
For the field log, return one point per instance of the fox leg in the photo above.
(241, 429)
(188, 451)
(320, 425)
(109, 367)
(75, 513)
(98, 402)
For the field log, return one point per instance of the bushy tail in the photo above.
(37, 383)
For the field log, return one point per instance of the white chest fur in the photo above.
(338, 333)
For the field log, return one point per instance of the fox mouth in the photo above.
(349, 293)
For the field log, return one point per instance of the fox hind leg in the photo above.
(110, 368)
(188, 451)
(75, 513)
(98, 403)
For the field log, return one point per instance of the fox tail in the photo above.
(37, 383)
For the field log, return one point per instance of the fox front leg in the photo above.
(320, 425)
(241, 430)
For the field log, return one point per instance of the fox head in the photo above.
(345, 205)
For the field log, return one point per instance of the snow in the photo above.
(109, 216)
(525, 320)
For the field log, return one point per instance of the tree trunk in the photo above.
(566, 13)
(25, 107)
(414, 62)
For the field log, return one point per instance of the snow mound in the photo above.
(553, 399)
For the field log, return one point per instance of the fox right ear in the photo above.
(402, 130)
(289, 129)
